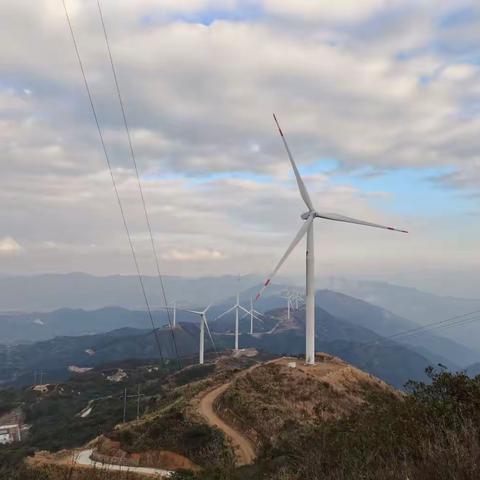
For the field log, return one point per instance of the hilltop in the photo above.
(284, 392)
(248, 415)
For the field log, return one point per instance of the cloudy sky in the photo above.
(379, 99)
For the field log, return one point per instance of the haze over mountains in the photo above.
(403, 308)
(351, 328)
(48, 292)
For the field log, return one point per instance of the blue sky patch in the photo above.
(411, 191)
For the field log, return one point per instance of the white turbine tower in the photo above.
(237, 307)
(253, 314)
(288, 297)
(203, 324)
(173, 308)
(307, 228)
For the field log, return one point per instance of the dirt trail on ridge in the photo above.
(243, 447)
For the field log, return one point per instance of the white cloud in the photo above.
(358, 84)
(9, 246)
(337, 10)
(193, 255)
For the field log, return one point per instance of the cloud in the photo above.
(314, 10)
(9, 246)
(369, 84)
(193, 255)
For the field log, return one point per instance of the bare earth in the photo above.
(243, 447)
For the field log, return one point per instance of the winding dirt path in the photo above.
(242, 446)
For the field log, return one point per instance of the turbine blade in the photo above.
(301, 185)
(245, 315)
(206, 310)
(224, 313)
(298, 237)
(341, 218)
(209, 333)
(244, 309)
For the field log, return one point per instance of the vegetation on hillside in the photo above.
(433, 433)
(55, 417)
(313, 431)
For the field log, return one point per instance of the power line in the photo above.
(134, 161)
(455, 321)
(114, 183)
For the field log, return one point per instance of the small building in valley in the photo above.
(10, 434)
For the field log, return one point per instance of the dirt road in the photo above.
(83, 458)
(243, 447)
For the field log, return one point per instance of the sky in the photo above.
(379, 100)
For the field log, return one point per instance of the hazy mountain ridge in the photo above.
(362, 347)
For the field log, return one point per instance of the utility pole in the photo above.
(124, 405)
(138, 402)
(125, 397)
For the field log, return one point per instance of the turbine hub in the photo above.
(306, 215)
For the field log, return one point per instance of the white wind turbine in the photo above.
(173, 308)
(203, 324)
(253, 314)
(307, 228)
(287, 296)
(237, 307)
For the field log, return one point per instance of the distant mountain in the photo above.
(421, 307)
(386, 323)
(54, 356)
(79, 290)
(33, 327)
(376, 319)
(392, 362)
(473, 370)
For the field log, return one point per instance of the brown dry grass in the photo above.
(272, 396)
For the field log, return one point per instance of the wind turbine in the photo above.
(288, 298)
(298, 298)
(173, 308)
(307, 228)
(253, 314)
(203, 324)
(237, 307)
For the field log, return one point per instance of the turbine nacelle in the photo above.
(307, 215)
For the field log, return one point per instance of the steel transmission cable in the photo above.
(134, 161)
(456, 321)
(112, 176)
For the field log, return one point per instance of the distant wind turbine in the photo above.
(287, 296)
(173, 308)
(237, 307)
(307, 228)
(203, 324)
(253, 314)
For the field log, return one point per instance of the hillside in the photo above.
(279, 395)
(250, 416)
